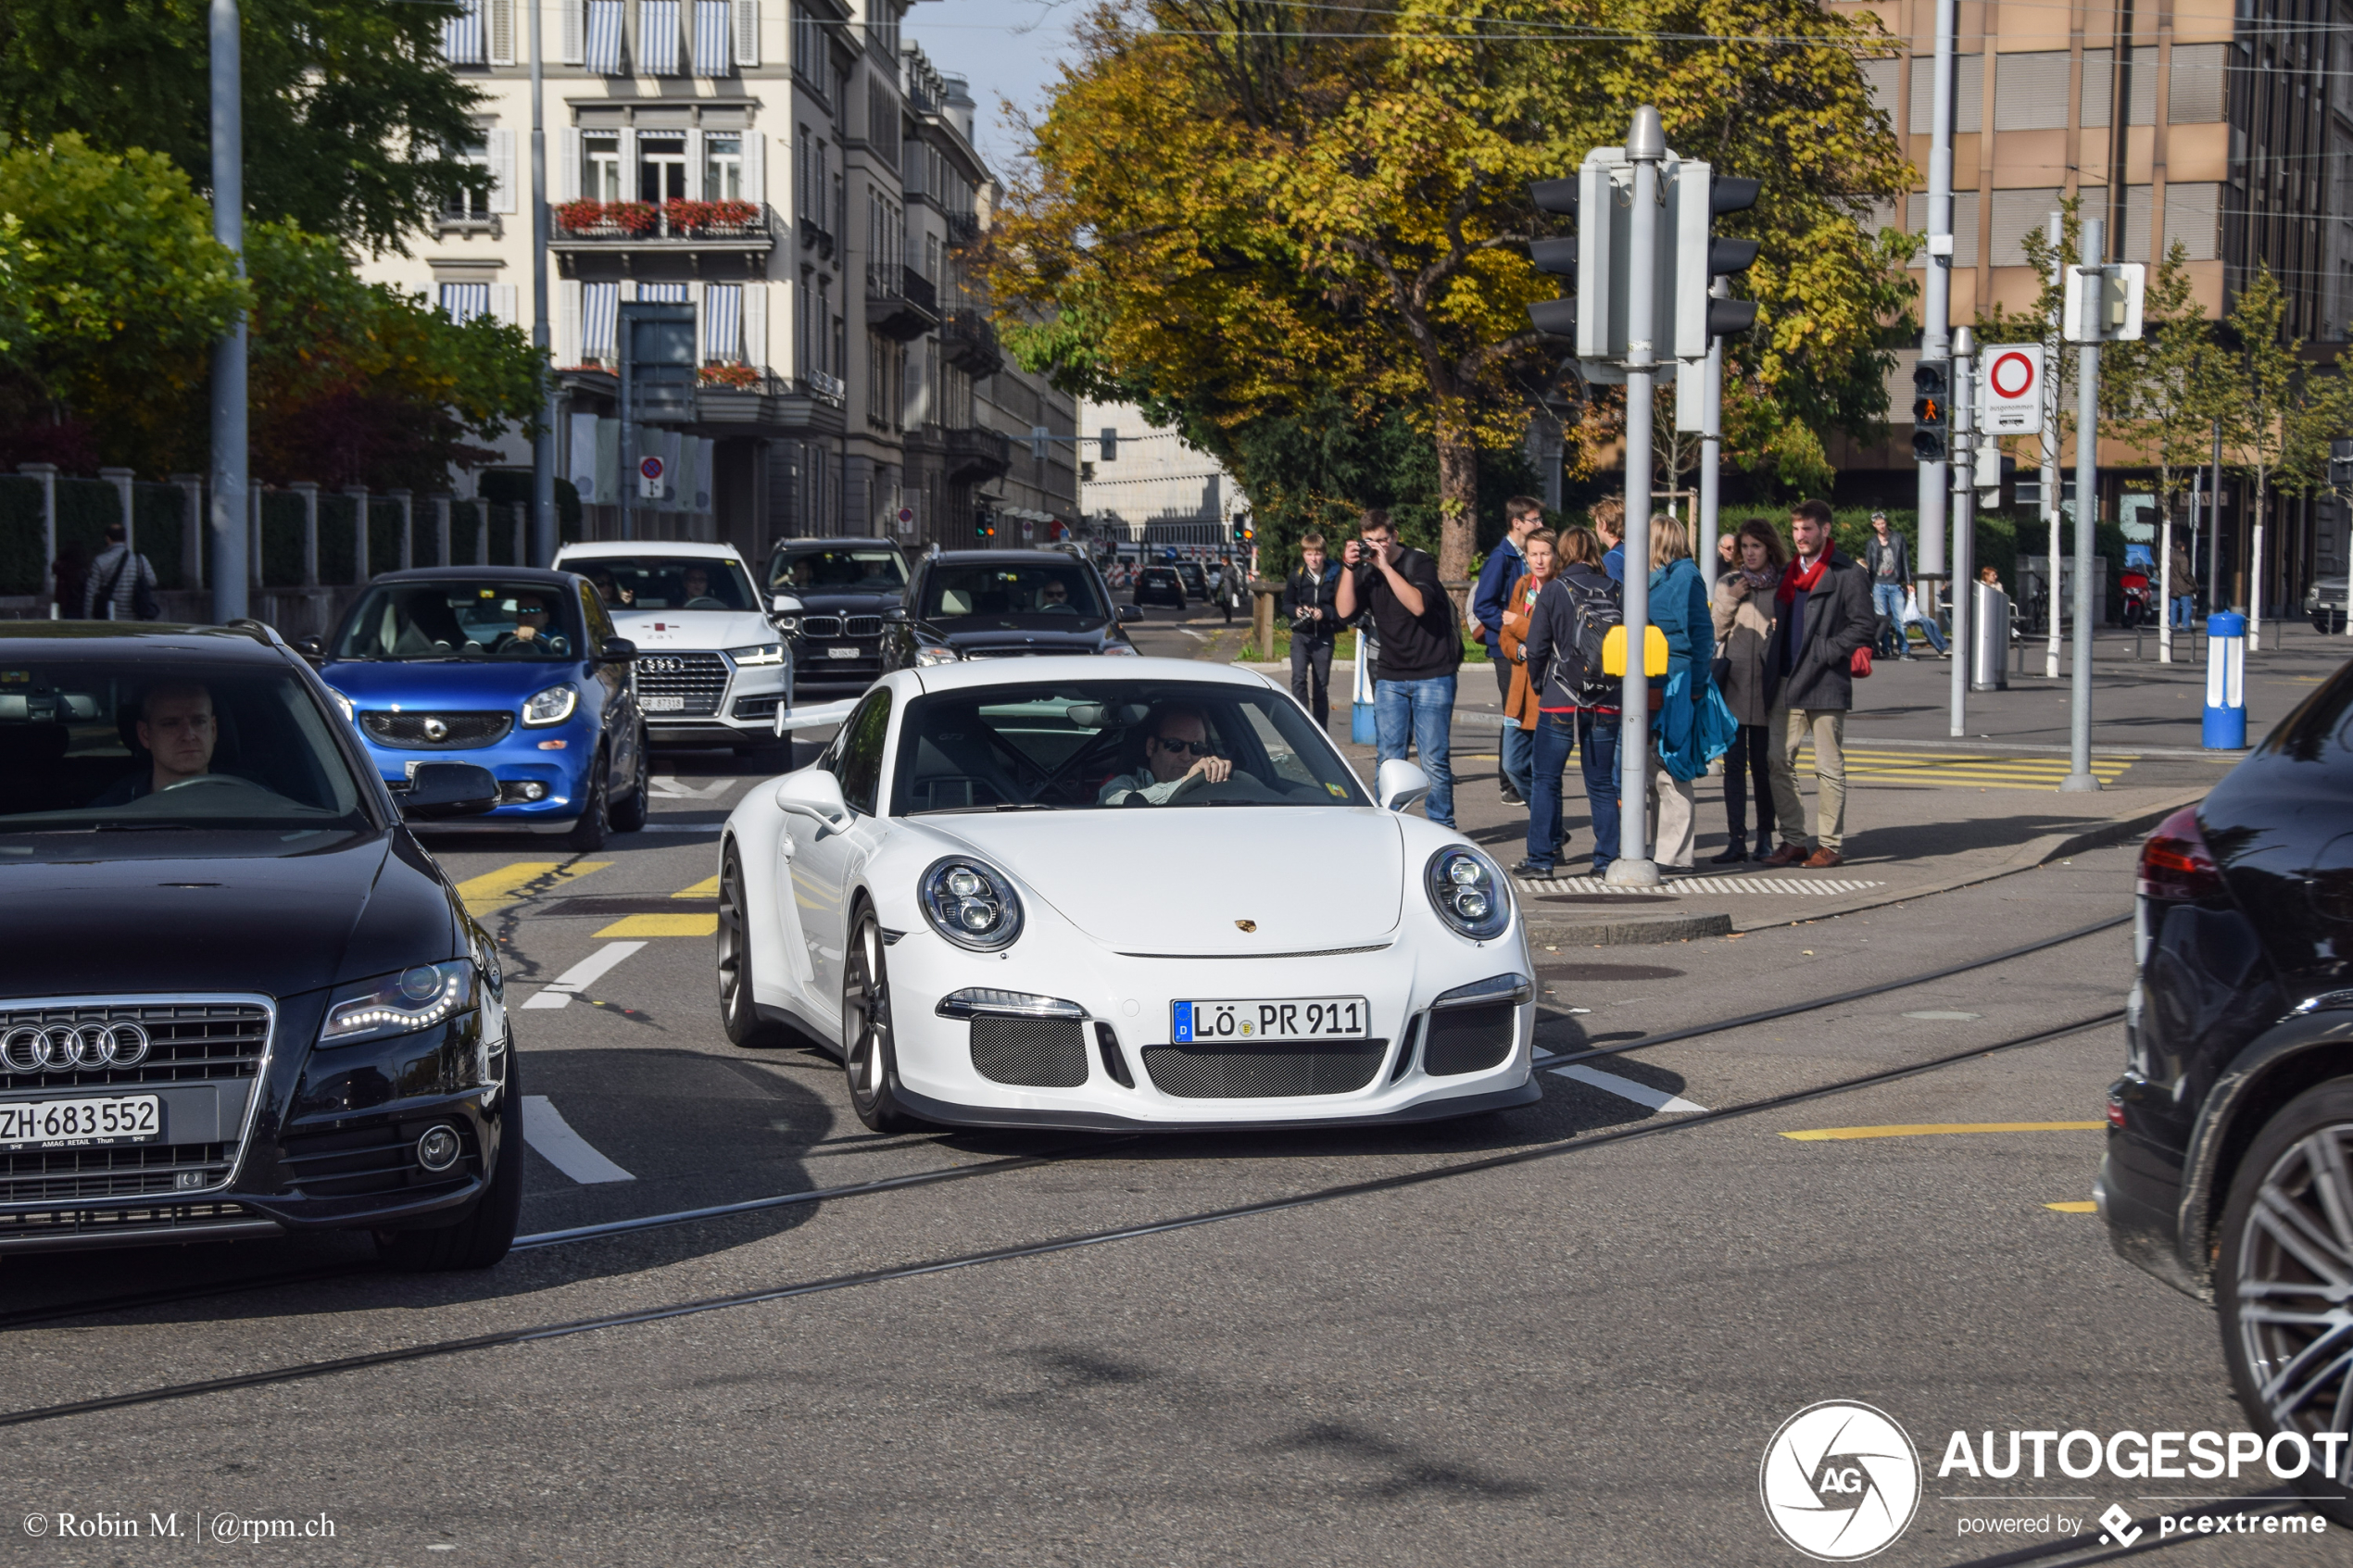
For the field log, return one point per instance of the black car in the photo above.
(240, 1001)
(1004, 604)
(1196, 581)
(1158, 585)
(845, 587)
(2229, 1171)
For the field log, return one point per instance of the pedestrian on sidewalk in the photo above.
(1506, 564)
(1678, 609)
(1889, 560)
(71, 572)
(1577, 704)
(122, 582)
(1609, 523)
(1520, 707)
(1743, 612)
(1421, 648)
(2184, 582)
(1821, 619)
(1727, 555)
(1308, 597)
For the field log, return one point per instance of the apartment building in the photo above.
(1159, 489)
(2226, 125)
(805, 182)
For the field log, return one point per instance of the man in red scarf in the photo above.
(1821, 615)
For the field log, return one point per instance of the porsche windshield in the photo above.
(1113, 746)
(669, 582)
(483, 620)
(86, 746)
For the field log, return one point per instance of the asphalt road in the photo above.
(1576, 1356)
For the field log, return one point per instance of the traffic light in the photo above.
(1107, 444)
(1241, 528)
(1696, 198)
(983, 524)
(1555, 318)
(1932, 415)
(2341, 464)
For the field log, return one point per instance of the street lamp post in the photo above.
(543, 446)
(225, 516)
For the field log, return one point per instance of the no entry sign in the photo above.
(2012, 389)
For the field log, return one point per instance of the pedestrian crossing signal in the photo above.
(1931, 410)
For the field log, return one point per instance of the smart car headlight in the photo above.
(758, 653)
(400, 1004)
(1467, 891)
(972, 904)
(350, 715)
(553, 706)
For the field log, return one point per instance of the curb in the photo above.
(1627, 930)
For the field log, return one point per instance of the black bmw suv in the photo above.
(1004, 604)
(240, 999)
(2229, 1171)
(845, 587)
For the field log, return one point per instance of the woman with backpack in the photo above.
(1576, 703)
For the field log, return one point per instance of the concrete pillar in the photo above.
(46, 475)
(359, 572)
(408, 527)
(523, 527)
(308, 490)
(481, 532)
(440, 529)
(253, 536)
(190, 529)
(120, 478)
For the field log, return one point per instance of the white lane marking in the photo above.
(1626, 1088)
(588, 971)
(544, 1129)
(668, 788)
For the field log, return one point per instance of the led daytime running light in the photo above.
(551, 707)
(401, 1004)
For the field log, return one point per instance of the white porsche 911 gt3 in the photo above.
(1046, 893)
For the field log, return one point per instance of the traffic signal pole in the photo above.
(1936, 297)
(543, 445)
(225, 517)
(1711, 443)
(1645, 148)
(1963, 466)
(2091, 253)
(2058, 234)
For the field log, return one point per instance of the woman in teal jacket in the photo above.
(1678, 609)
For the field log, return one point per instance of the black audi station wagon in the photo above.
(239, 999)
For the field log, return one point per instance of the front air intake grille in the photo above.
(841, 626)
(187, 1042)
(1044, 1053)
(1468, 1039)
(66, 1175)
(1263, 1071)
(757, 707)
(689, 683)
(371, 1161)
(72, 1223)
(436, 731)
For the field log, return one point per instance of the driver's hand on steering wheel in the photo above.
(1212, 769)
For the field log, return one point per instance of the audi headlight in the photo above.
(972, 904)
(400, 1004)
(1467, 891)
(758, 653)
(927, 656)
(553, 706)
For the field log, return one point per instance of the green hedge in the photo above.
(283, 514)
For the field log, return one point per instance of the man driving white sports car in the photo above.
(1176, 734)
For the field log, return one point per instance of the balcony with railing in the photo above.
(817, 237)
(901, 302)
(969, 340)
(673, 225)
(977, 455)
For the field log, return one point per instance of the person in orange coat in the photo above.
(1519, 705)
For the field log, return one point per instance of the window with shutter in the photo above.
(747, 32)
(723, 323)
(461, 34)
(755, 325)
(502, 32)
(567, 171)
(1968, 93)
(713, 25)
(604, 37)
(567, 344)
(657, 37)
(502, 304)
(502, 171)
(463, 302)
(698, 186)
(2193, 217)
(2018, 214)
(2030, 93)
(2196, 97)
(2099, 87)
(574, 28)
(755, 180)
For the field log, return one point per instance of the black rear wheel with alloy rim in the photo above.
(868, 1056)
(484, 1234)
(596, 813)
(2284, 1282)
(738, 1012)
(629, 815)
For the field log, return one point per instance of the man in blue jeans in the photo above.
(1420, 650)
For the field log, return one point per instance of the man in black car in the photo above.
(177, 727)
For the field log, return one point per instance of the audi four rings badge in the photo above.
(30, 1048)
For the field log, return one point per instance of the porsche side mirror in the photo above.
(449, 789)
(616, 650)
(814, 793)
(1399, 783)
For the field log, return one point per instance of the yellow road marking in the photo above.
(707, 888)
(663, 925)
(2081, 1206)
(508, 885)
(1918, 1129)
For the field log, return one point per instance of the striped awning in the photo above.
(600, 309)
(712, 32)
(657, 37)
(603, 57)
(662, 294)
(461, 34)
(722, 321)
(463, 302)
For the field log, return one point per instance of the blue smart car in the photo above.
(514, 668)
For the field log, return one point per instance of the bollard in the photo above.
(2225, 682)
(1362, 729)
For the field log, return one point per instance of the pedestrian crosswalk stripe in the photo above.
(663, 925)
(509, 884)
(707, 888)
(1712, 886)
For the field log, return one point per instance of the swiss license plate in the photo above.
(116, 1119)
(843, 653)
(663, 704)
(1288, 1018)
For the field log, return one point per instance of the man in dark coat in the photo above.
(1821, 617)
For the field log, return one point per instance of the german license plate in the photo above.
(663, 703)
(116, 1119)
(1288, 1018)
(843, 653)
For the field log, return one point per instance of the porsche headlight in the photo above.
(553, 706)
(972, 904)
(924, 656)
(758, 653)
(400, 1004)
(1467, 891)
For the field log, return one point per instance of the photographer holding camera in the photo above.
(1421, 647)
(1308, 597)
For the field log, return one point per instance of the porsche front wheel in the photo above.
(868, 1057)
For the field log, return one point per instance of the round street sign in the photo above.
(906, 514)
(650, 467)
(2012, 375)
(2013, 383)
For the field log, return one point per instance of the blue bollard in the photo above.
(2225, 682)
(1362, 730)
